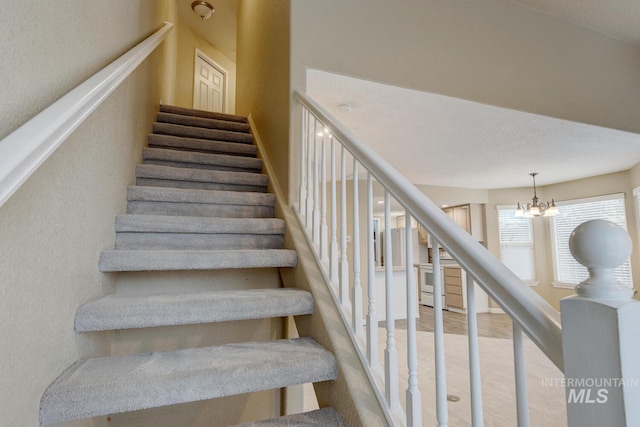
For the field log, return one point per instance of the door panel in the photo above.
(209, 84)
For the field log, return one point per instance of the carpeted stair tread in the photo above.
(325, 417)
(202, 160)
(201, 145)
(171, 260)
(229, 180)
(125, 312)
(111, 385)
(201, 113)
(204, 122)
(184, 224)
(202, 133)
(181, 195)
(164, 232)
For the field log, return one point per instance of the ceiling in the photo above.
(444, 141)
(219, 30)
(438, 140)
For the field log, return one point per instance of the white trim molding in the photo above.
(24, 150)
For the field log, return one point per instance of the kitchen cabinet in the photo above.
(454, 284)
(470, 217)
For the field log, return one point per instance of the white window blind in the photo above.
(573, 213)
(516, 243)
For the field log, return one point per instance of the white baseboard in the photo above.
(495, 310)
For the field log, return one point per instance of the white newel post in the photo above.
(601, 333)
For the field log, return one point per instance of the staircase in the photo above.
(199, 203)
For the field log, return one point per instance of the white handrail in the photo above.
(24, 150)
(537, 318)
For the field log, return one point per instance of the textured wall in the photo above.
(263, 76)
(492, 51)
(53, 228)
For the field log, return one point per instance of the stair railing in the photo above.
(596, 347)
(322, 139)
(26, 148)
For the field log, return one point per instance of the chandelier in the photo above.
(535, 208)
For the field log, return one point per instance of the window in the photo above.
(567, 271)
(516, 244)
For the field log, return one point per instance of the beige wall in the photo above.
(605, 184)
(263, 77)
(188, 41)
(54, 227)
(492, 51)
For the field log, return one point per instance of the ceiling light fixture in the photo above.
(345, 107)
(534, 208)
(203, 9)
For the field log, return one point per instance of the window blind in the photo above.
(516, 243)
(573, 213)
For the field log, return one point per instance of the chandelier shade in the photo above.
(535, 208)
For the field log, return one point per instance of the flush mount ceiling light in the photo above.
(534, 208)
(203, 9)
(345, 107)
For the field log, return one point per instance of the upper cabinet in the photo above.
(470, 217)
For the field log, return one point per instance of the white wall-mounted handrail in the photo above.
(24, 150)
(537, 318)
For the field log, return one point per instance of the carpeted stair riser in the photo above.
(203, 122)
(320, 418)
(183, 224)
(190, 202)
(201, 145)
(127, 383)
(151, 175)
(115, 312)
(172, 260)
(202, 133)
(202, 160)
(148, 232)
(176, 241)
(201, 113)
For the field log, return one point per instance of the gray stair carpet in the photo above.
(197, 202)
(201, 145)
(202, 160)
(127, 383)
(325, 417)
(201, 113)
(185, 177)
(170, 260)
(204, 122)
(194, 233)
(126, 312)
(200, 203)
(202, 133)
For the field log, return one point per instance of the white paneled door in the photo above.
(209, 84)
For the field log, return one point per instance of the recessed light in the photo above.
(380, 202)
(345, 107)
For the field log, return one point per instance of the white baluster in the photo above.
(324, 233)
(413, 396)
(333, 260)
(316, 186)
(600, 332)
(356, 295)
(474, 356)
(442, 412)
(302, 194)
(522, 400)
(344, 263)
(372, 316)
(309, 169)
(390, 353)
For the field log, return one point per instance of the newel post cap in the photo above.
(601, 246)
